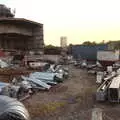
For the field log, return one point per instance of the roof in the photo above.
(115, 82)
(19, 21)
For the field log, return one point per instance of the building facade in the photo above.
(19, 33)
(63, 41)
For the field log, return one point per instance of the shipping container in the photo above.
(88, 52)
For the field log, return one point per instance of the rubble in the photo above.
(107, 71)
(24, 83)
(60, 70)
(3, 64)
(109, 88)
(107, 77)
(23, 86)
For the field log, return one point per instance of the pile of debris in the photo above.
(24, 86)
(107, 77)
(19, 83)
(109, 88)
(91, 67)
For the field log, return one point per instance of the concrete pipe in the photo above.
(11, 109)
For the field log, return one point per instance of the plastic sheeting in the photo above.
(37, 81)
(43, 75)
(47, 76)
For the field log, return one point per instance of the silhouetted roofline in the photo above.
(19, 20)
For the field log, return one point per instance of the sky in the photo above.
(78, 20)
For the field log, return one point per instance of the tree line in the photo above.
(51, 49)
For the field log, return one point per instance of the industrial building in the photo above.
(19, 33)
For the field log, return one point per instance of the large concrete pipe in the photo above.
(11, 109)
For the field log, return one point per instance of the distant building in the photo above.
(63, 41)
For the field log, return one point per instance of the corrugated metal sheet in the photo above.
(87, 52)
(115, 82)
(11, 109)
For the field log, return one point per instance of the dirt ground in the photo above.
(74, 99)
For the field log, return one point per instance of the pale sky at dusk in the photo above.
(79, 20)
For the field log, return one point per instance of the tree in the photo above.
(50, 49)
(115, 45)
(89, 43)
